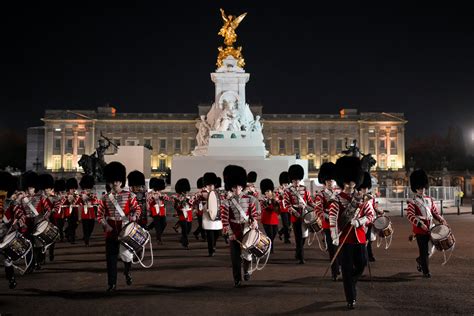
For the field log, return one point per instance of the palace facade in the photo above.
(67, 134)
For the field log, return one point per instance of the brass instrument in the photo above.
(272, 200)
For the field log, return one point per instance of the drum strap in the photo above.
(425, 211)
(116, 205)
(239, 208)
(33, 209)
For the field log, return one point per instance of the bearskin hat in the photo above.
(60, 185)
(209, 178)
(182, 186)
(136, 178)
(349, 169)
(199, 183)
(237, 176)
(30, 180)
(252, 177)
(367, 182)
(71, 183)
(87, 182)
(7, 183)
(157, 184)
(283, 178)
(115, 171)
(295, 172)
(418, 180)
(45, 181)
(326, 172)
(226, 174)
(218, 183)
(266, 185)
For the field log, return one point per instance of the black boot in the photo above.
(111, 288)
(10, 275)
(128, 275)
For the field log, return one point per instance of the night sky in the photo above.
(304, 57)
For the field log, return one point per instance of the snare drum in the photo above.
(313, 222)
(256, 243)
(46, 233)
(442, 237)
(134, 237)
(383, 226)
(15, 246)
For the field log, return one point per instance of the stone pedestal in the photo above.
(133, 158)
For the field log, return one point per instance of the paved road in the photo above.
(184, 282)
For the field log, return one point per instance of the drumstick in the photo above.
(338, 250)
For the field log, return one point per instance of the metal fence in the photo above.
(390, 198)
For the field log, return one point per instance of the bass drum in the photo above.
(213, 206)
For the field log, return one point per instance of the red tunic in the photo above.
(232, 221)
(269, 213)
(422, 209)
(365, 216)
(291, 201)
(280, 195)
(322, 201)
(156, 205)
(89, 207)
(179, 206)
(108, 213)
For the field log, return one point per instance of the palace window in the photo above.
(311, 165)
(69, 145)
(177, 145)
(147, 142)
(57, 143)
(281, 146)
(162, 165)
(393, 163)
(192, 144)
(393, 146)
(162, 145)
(56, 162)
(383, 144)
(338, 146)
(68, 162)
(296, 146)
(310, 146)
(381, 163)
(372, 146)
(324, 146)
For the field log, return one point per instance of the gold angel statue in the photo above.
(228, 29)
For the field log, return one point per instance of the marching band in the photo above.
(343, 214)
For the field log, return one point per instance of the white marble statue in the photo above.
(202, 136)
(228, 119)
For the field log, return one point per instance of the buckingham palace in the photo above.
(66, 135)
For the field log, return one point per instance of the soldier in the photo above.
(58, 215)
(347, 219)
(326, 176)
(71, 206)
(198, 209)
(89, 203)
(183, 206)
(238, 213)
(421, 211)
(136, 183)
(284, 213)
(270, 206)
(156, 204)
(213, 227)
(116, 209)
(296, 199)
(52, 201)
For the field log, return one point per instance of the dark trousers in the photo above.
(59, 222)
(212, 236)
(299, 240)
(112, 247)
(199, 229)
(332, 251)
(423, 259)
(185, 230)
(235, 253)
(9, 273)
(285, 221)
(159, 223)
(271, 231)
(87, 229)
(370, 254)
(353, 261)
(71, 227)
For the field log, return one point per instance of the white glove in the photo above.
(335, 242)
(254, 225)
(355, 223)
